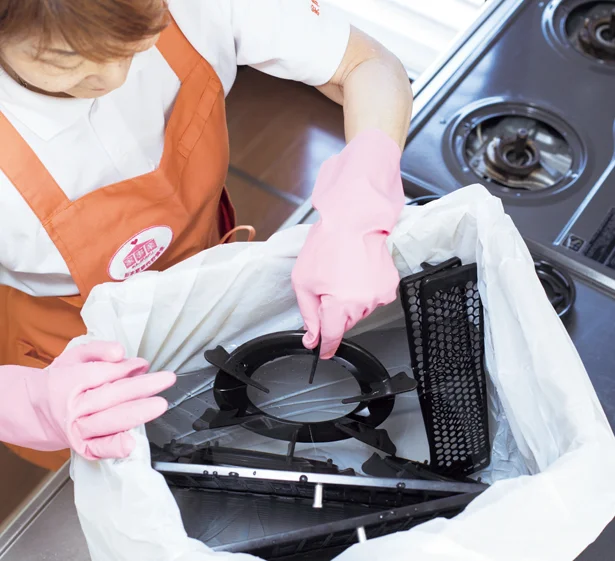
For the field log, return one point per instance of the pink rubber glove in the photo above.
(344, 271)
(87, 400)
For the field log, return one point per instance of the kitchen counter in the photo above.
(47, 529)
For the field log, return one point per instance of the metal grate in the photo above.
(446, 335)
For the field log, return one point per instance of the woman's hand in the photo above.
(88, 399)
(345, 271)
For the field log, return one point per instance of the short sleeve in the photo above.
(302, 40)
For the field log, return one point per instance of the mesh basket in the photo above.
(445, 327)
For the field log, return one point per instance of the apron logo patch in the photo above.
(140, 253)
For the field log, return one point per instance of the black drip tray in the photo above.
(220, 518)
(284, 528)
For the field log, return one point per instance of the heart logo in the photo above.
(139, 253)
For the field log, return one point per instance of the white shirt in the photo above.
(87, 144)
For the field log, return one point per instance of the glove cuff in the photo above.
(362, 185)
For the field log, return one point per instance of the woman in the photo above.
(113, 161)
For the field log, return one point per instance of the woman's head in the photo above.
(82, 48)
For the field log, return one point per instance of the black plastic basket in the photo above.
(445, 325)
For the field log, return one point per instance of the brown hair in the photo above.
(98, 30)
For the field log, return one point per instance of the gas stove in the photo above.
(530, 114)
(523, 104)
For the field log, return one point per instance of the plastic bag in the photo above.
(231, 294)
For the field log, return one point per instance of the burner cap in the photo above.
(516, 156)
(559, 287)
(517, 148)
(588, 26)
(597, 37)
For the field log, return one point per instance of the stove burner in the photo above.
(514, 148)
(598, 36)
(516, 156)
(518, 153)
(559, 287)
(588, 26)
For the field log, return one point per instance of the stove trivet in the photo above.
(229, 365)
(558, 285)
(588, 26)
(514, 149)
(400, 383)
(445, 327)
(374, 405)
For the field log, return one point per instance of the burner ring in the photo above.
(555, 158)
(515, 155)
(232, 395)
(598, 35)
(588, 26)
(558, 285)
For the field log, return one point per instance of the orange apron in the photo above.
(150, 222)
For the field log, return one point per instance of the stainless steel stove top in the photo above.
(530, 114)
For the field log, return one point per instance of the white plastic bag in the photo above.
(230, 294)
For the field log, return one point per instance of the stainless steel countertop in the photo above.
(47, 528)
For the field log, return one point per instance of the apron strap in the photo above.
(181, 56)
(250, 229)
(28, 174)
